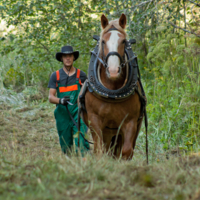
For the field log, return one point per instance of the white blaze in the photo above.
(112, 44)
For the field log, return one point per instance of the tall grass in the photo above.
(33, 167)
(171, 80)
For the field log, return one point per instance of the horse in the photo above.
(114, 123)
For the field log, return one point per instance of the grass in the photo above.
(33, 167)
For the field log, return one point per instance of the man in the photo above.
(66, 82)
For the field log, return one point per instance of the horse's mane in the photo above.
(113, 23)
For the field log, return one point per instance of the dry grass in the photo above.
(32, 166)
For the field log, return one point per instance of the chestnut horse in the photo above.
(113, 123)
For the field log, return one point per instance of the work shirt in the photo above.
(65, 79)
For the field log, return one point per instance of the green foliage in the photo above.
(175, 92)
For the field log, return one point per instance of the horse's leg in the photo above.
(118, 145)
(107, 137)
(130, 134)
(95, 125)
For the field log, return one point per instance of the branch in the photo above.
(197, 4)
(46, 48)
(140, 4)
(144, 3)
(192, 32)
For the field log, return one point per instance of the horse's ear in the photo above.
(104, 21)
(122, 21)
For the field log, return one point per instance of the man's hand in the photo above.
(64, 100)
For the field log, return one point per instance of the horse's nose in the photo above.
(113, 71)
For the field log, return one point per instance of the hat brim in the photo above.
(59, 55)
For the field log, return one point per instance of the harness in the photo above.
(93, 85)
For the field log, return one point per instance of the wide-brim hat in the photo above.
(67, 50)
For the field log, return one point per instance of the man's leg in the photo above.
(84, 146)
(66, 139)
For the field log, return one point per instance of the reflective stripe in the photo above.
(68, 88)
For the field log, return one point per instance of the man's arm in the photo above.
(52, 96)
(53, 99)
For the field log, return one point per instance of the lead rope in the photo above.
(77, 125)
(145, 115)
(146, 127)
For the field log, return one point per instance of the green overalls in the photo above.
(66, 128)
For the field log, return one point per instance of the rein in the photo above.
(78, 127)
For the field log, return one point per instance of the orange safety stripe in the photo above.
(78, 76)
(78, 73)
(68, 88)
(57, 77)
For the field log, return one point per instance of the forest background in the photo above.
(168, 49)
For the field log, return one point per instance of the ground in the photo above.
(33, 167)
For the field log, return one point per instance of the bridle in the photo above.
(113, 53)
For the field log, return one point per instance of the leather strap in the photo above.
(113, 53)
(100, 60)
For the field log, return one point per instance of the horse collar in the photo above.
(94, 84)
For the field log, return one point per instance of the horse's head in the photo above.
(112, 45)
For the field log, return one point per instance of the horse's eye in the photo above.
(123, 41)
(103, 42)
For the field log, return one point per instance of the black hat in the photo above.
(67, 50)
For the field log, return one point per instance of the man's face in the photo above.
(68, 59)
